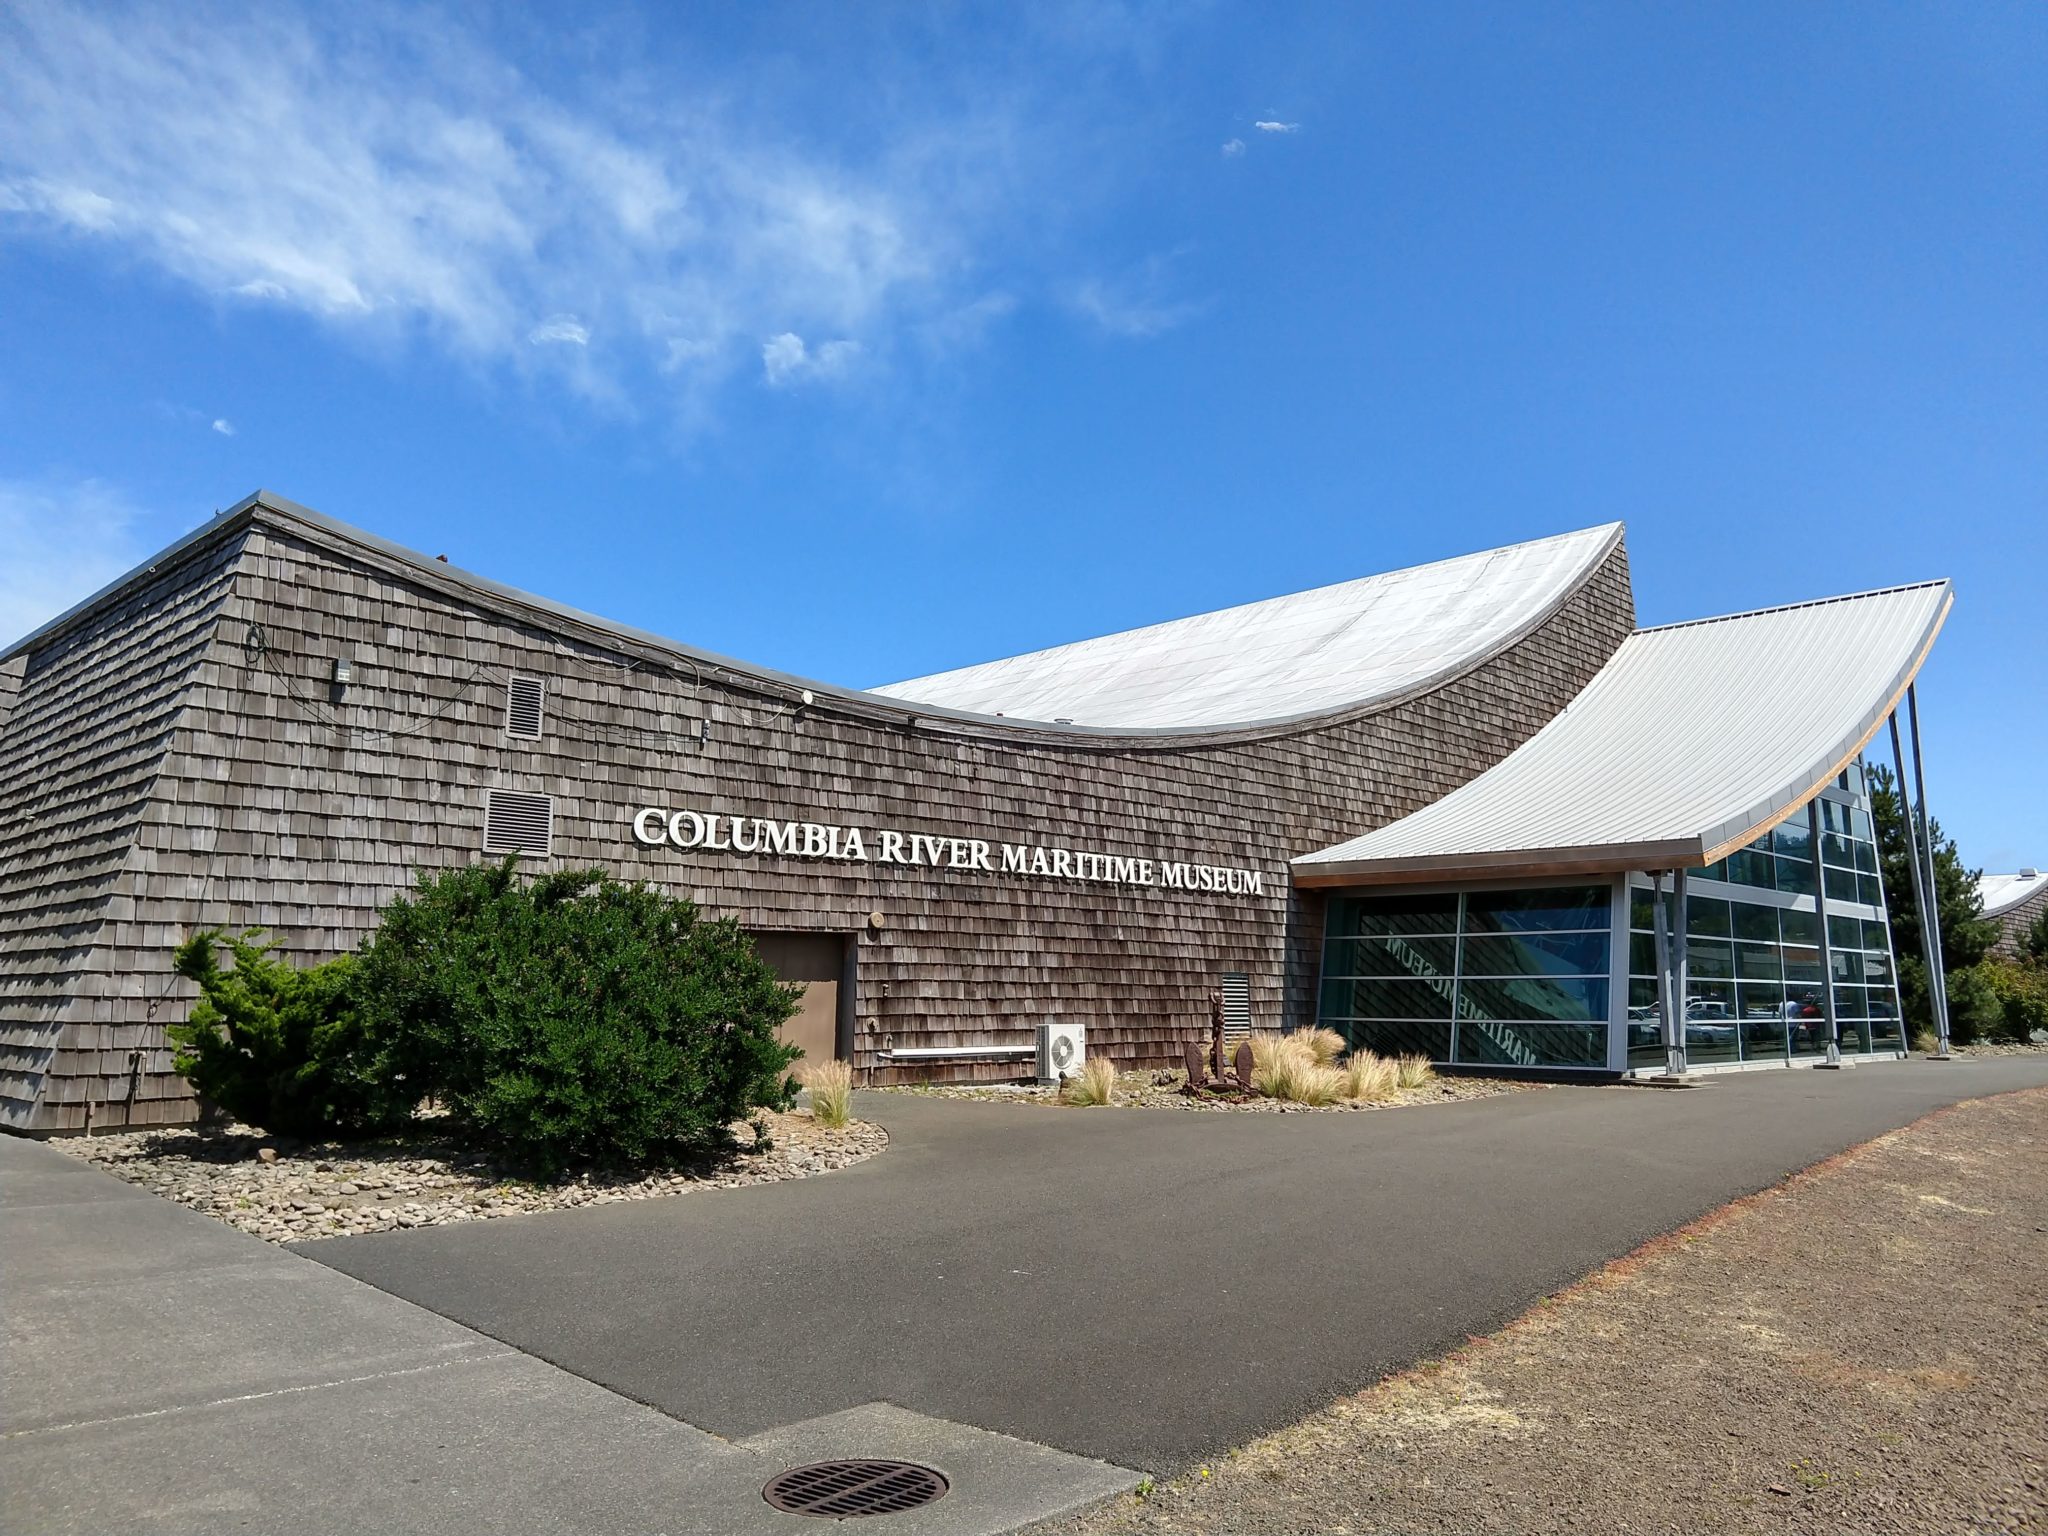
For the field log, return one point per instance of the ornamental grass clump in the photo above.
(1371, 1077)
(1415, 1071)
(1293, 1074)
(831, 1088)
(1095, 1084)
(1325, 1044)
(1264, 1044)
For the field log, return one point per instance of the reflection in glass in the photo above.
(1756, 922)
(1354, 915)
(1396, 1037)
(1533, 997)
(1376, 999)
(1418, 956)
(1532, 1045)
(1706, 917)
(1706, 957)
(1569, 954)
(1520, 911)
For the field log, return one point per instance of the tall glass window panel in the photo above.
(1356, 916)
(1582, 907)
(1796, 877)
(1396, 1037)
(1887, 1031)
(1419, 956)
(1644, 1030)
(1384, 998)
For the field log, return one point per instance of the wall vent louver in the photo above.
(1237, 1004)
(523, 697)
(517, 823)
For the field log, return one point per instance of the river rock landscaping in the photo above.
(291, 1192)
(1164, 1090)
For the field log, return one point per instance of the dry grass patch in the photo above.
(1325, 1044)
(1292, 1073)
(1095, 1084)
(831, 1086)
(1414, 1071)
(1371, 1078)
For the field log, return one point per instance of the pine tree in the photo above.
(1966, 937)
(2034, 942)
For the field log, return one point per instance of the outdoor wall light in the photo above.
(344, 671)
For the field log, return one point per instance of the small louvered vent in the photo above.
(522, 708)
(516, 823)
(1237, 1004)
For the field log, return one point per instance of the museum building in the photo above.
(1466, 809)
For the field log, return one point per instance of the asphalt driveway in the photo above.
(1144, 1286)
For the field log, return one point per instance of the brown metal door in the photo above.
(813, 959)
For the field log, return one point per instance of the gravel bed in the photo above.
(1859, 1351)
(292, 1192)
(1162, 1090)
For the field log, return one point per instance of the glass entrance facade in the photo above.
(1532, 976)
(1499, 978)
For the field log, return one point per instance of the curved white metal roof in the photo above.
(2001, 893)
(1308, 654)
(1689, 742)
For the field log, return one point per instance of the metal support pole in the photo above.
(1667, 1011)
(1827, 948)
(1681, 983)
(1928, 941)
(1933, 911)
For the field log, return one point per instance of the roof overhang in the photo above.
(1691, 742)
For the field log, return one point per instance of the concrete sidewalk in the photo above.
(164, 1373)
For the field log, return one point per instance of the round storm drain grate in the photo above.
(847, 1490)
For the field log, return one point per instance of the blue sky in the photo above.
(865, 340)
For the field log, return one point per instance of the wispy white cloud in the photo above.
(1232, 148)
(63, 542)
(1268, 125)
(1140, 303)
(786, 360)
(395, 177)
(566, 329)
(223, 426)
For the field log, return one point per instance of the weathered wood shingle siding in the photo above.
(2015, 922)
(280, 807)
(81, 746)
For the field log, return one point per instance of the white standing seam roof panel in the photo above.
(2001, 893)
(1690, 741)
(1309, 654)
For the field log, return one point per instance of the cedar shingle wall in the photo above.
(81, 741)
(2014, 923)
(281, 808)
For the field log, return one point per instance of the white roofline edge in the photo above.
(1711, 845)
(785, 686)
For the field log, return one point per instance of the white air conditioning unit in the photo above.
(1061, 1048)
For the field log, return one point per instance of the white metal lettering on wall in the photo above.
(720, 832)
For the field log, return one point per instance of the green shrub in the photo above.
(2022, 992)
(283, 1048)
(576, 1018)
